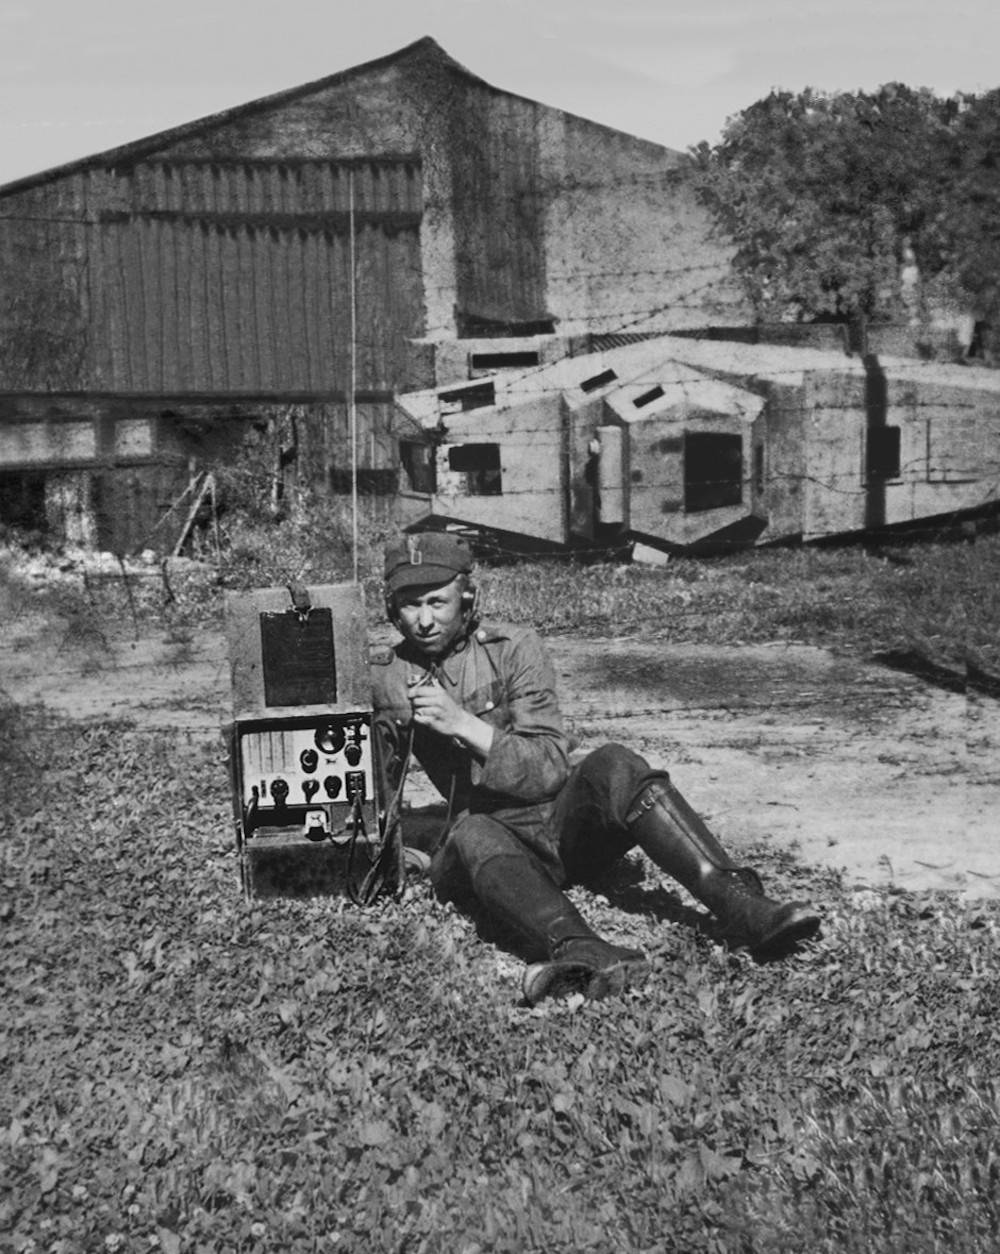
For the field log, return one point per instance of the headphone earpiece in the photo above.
(470, 604)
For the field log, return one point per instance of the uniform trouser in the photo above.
(588, 831)
(612, 801)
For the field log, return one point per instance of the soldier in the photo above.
(476, 706)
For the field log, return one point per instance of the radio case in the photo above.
(303, 757)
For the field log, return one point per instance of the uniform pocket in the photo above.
(488, 702)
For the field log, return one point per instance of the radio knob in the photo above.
(330, 738)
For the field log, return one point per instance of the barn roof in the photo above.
(137, 149)
(426, 49)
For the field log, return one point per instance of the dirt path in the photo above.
(853, 765)
(856, 766)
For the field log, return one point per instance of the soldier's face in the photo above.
(432, 617)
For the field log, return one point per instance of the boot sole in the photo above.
(562, 979)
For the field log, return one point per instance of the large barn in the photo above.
(305, 258)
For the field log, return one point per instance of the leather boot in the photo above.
(680, 842)
(522, 899)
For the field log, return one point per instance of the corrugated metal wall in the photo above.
(45, 328)
(235, 277)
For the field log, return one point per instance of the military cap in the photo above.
(425, 558)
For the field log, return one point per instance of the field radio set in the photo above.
(303, 755)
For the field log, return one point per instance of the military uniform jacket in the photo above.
(505, 677)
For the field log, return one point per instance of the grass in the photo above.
(182, 1070)
(944, 598)
(938, 600)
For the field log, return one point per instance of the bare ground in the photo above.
(851, 765)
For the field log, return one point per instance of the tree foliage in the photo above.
(971, 231)
(836, 200)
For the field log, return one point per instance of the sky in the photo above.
(78, 77)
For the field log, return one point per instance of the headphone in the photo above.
(470, 605)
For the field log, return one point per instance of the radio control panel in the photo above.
(322, 764)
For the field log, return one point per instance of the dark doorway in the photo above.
(22, 500)
(713, 470)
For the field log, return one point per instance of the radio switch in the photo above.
(315, 826)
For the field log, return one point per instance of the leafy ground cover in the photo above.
(187, 1071)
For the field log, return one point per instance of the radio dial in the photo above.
(330, 738)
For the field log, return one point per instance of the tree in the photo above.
(827, 196)
(969, 223)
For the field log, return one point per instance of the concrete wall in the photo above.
(629, 248)
(657, 474)
(950, 448)
(532, 448)
(781, 433)
(949, 437)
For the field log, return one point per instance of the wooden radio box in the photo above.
(302, 746)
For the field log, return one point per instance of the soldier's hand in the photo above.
(434, 708)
